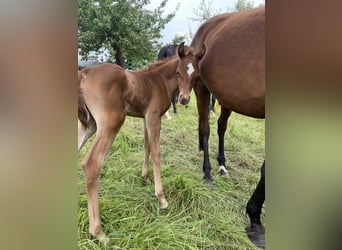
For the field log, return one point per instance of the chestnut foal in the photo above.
(106, 94)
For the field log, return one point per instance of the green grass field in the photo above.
(197, 217)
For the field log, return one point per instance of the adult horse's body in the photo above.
(107, 93)
(227, 58)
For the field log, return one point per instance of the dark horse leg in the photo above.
(202, 97)
(221, 130)
(212, 106)
(256, 232)
(174, 100)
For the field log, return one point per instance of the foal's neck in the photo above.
(168, 71)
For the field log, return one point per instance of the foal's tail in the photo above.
(87, 125)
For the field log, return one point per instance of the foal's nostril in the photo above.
(184, 100)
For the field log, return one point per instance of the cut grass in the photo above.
(197, 217)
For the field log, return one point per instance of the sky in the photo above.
(181, 23)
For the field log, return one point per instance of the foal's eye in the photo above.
(177, 73)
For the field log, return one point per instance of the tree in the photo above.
(243, 5)
(178, 39)
(125, 28)
(204, 11)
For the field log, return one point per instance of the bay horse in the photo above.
(106, 94)
(227, 58)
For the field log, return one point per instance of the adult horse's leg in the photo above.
(153, 132)
(202, 97)
(256, 232)
(212, 106)
(174, 102)
(92, 164)
(221, 130)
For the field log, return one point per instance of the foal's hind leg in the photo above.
(153, 131)
(256, 232)
(92, 164)
(221, 130)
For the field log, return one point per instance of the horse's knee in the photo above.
(86, 162)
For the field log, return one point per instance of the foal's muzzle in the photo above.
(184, 99)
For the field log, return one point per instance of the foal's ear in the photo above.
(201, 53)
(181, 50)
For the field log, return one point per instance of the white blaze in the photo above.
(190, 69)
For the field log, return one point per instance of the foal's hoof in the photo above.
(256, 234)
(164, 204)
(223, 171)
(146, 180)
(103, 238)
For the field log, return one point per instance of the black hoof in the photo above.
(223, 173)
(256, 234)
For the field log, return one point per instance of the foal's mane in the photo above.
(159, 63)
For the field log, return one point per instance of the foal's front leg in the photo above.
(153, 131)
(145, 174)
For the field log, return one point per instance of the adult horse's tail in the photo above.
(86, 122)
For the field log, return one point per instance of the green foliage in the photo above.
(243, 5)
(126, 28)
(197, 217)
(179, 38)
(204, 11)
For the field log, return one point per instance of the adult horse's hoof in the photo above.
(223, 171)
(210, 183)
(256, 234)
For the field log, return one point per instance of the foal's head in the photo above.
(187, 72)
